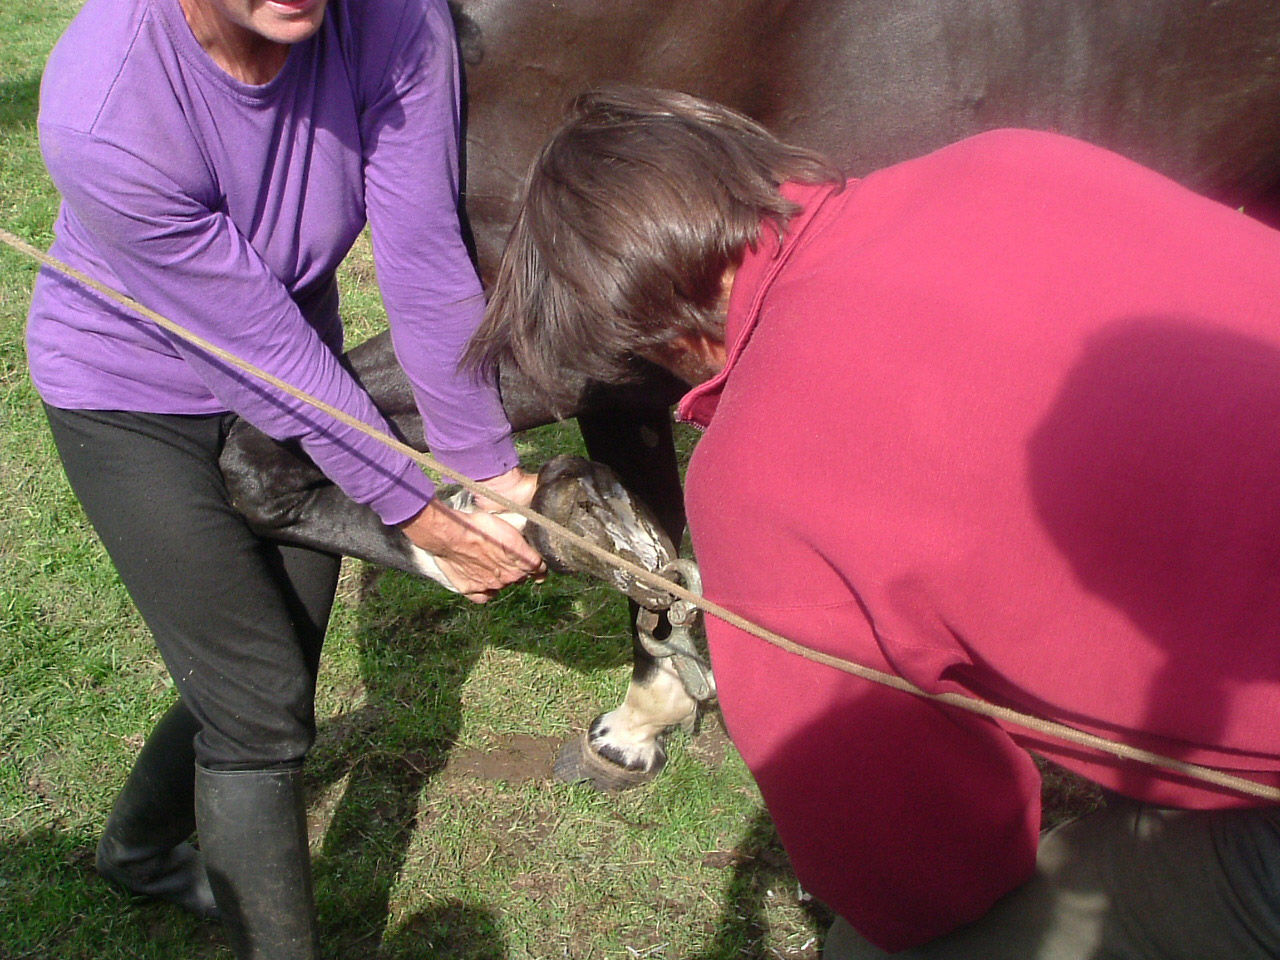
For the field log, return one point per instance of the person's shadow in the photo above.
(416, 653)
(1157, 474)
(761, 871)
(54, 906)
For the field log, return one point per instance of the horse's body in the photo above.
(1189, 88)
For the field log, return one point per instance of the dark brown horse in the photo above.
(1188, 87)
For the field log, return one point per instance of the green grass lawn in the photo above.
(436, 830)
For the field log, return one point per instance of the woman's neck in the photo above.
(245, 55)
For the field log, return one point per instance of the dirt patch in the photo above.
(711, 744)
(770, 857)
(539, 886)
(518, 758)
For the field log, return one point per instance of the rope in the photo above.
(1047, 728)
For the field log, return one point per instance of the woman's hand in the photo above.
(479, 552)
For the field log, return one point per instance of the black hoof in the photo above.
(578, 762)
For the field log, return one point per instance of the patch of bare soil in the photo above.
(518, 758)
(711, 744)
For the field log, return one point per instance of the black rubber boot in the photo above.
(253, 832)
(143, 847)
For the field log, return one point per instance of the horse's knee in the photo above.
(266, 480)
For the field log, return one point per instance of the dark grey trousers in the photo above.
(239, 620)
(1128, 882)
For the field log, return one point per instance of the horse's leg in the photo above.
(624, 746)
(284, 496)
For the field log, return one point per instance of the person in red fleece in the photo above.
(1000, 420)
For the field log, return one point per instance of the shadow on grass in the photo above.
(416, 653)
(761, 871)
(19, 100)
(54, 905)
(401, 738)
(450, 930)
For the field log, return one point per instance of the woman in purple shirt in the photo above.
(216, 160)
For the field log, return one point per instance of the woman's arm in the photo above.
(410, 128)
(183, 258)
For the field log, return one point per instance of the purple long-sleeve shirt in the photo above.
(227, 207)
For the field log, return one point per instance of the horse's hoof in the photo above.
(588, 499)
(578, 762)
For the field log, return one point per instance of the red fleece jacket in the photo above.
(1001, 420)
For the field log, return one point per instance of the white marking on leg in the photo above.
(631, 733)
(426, 563)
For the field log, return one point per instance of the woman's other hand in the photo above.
(479, 552)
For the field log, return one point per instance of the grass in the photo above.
(436, 831)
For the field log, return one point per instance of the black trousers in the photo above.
(239, 620)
